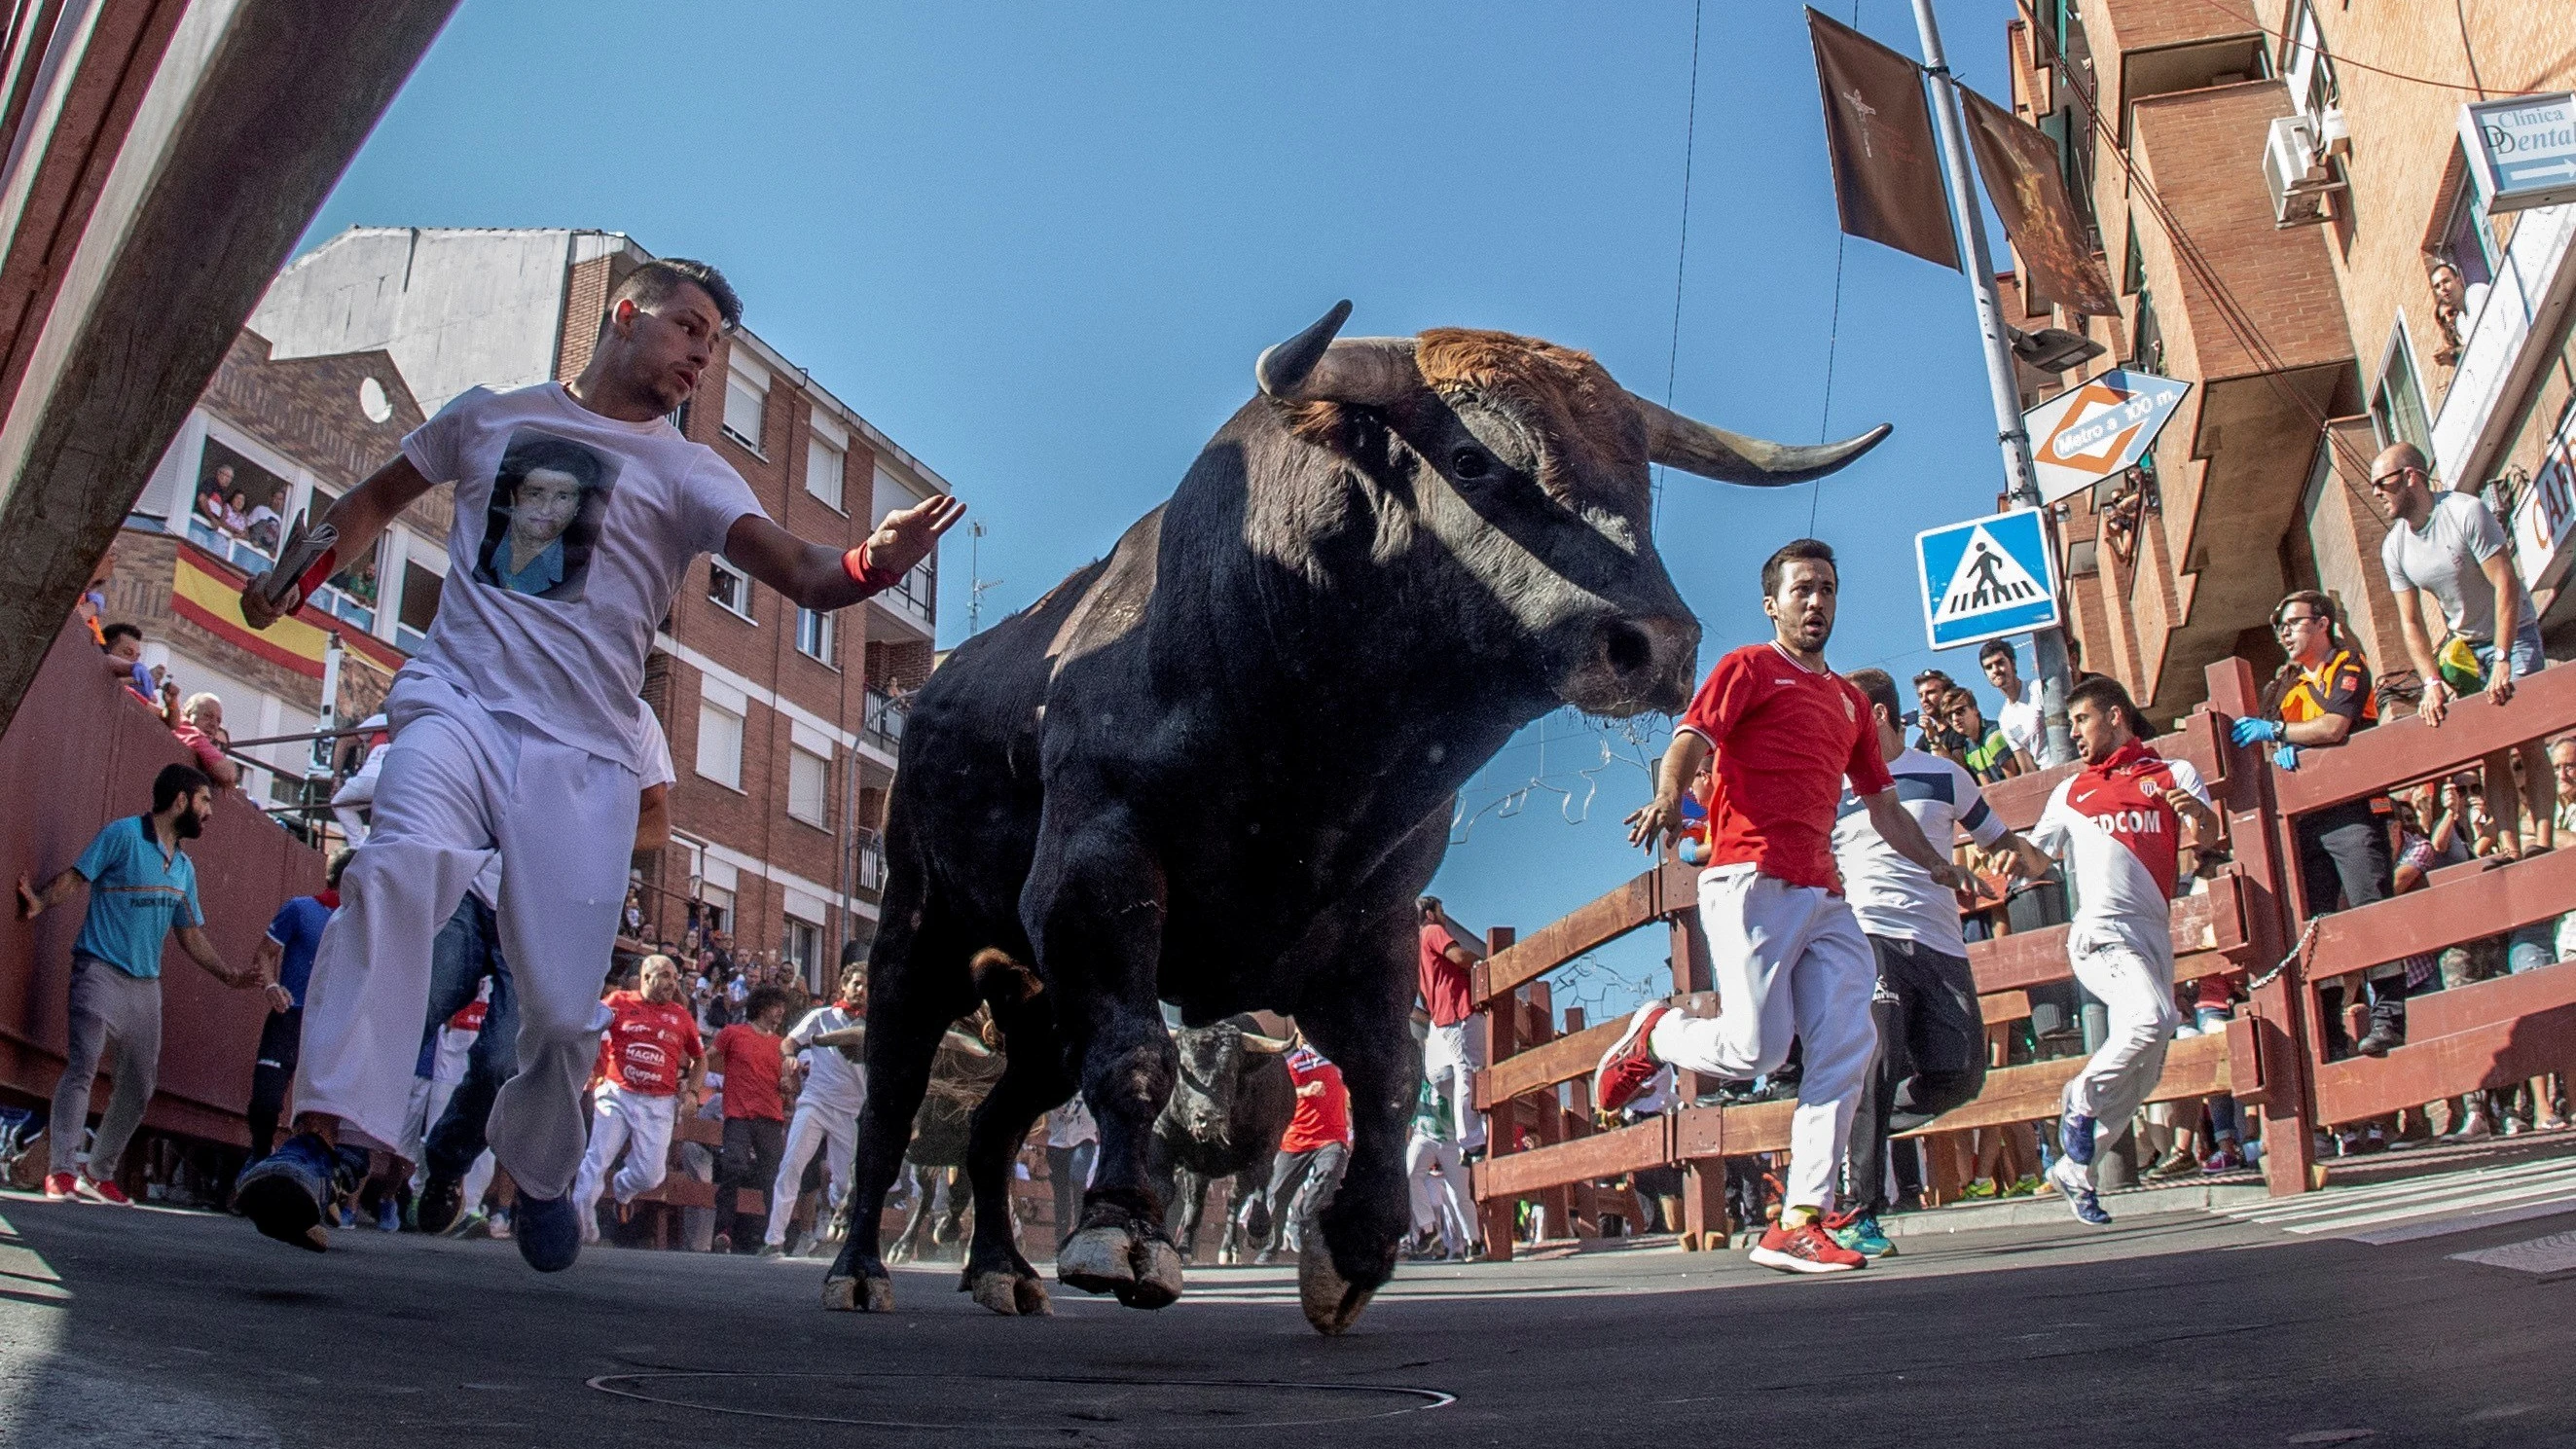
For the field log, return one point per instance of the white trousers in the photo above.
(459, 783)
(1450, 1060)
(2137, 994)
(640, 1124)
(1440, 1198)
(1790, 962)
(836, 1134)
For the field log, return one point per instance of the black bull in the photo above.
(1215, 768)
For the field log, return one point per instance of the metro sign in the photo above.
(2107, 423)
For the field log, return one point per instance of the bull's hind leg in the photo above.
(1033, 1081)
(1095, 903)
(917, 985)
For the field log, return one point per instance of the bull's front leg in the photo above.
(1095, 907)
(1366, 1032)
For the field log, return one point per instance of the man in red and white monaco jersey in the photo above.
(1789, 958)
(2119, 825)
(651, 1067)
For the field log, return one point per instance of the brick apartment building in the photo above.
(783, 724)
(284, 435)
(2298, 293)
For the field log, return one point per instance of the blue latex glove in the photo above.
(2286, 757)
(2254, 731)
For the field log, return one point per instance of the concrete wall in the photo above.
(454, 307)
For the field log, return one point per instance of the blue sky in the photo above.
(1041, 245)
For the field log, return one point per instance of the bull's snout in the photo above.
(1637, 663)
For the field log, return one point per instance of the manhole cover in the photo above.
(1005, 1401)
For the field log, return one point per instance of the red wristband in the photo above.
(865, 574)
(318, 575)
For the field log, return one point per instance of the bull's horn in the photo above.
(1713, 452)
(1265, 1045)
(968, 1043)
(1312, 367)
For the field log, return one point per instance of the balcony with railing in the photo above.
(914, 599)
(867, 866)
(883, 727)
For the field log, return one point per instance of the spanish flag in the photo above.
(207, 593)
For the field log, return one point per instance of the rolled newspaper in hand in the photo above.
(305, 546)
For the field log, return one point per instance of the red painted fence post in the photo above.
(2260, 837)
(1501, 1017)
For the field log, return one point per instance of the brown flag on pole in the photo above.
(2019, 164)
(1887, 176)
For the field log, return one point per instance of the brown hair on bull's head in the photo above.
(1529, 464)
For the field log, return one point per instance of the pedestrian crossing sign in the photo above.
(1986, 578)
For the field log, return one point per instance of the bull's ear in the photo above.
(1729, 457)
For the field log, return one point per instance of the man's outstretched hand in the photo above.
(1658, 818)
(907, 535)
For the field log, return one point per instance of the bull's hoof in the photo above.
(1158, 1275)
(1097, 1260)
(1012, 1295)
(858, 1295)
(1332, 1303)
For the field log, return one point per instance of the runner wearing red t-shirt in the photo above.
(755, 1112)
(1451, 1054)
(649, 1068)
(1311, 1152)
(1790, 960)
(2117, 823)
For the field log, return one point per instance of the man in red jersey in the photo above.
(1790, 959)
(1451, 1055)
(2117, 823)
(648, 1061)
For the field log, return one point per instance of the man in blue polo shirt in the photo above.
(286, 953)
(142, 887)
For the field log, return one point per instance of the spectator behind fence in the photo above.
(123, 644)
(142, 888)
(2450, 546)
(2023, 718)
(1932, 716)
(755, 1113)
(2319, 699)
(201, 729)
(1988, 755)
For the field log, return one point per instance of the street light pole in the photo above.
(2048, 646)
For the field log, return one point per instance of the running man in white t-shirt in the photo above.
(2118, 825)
(826, 1043)
(1931, 1035)
(517, 725)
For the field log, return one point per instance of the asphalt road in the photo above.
(132, 1327)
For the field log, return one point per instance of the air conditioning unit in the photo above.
(2295, 172)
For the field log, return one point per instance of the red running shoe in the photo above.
(1630, 1063)
(1806, 1248)
(58, 1187)
(92, 1190)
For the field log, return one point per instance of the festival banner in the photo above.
(2020, 164)
(1878, 130)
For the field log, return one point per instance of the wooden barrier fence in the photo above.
(2271, 1058)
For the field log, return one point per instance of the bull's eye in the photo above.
(1470, 463)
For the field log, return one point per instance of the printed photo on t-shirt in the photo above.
(543, 520)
